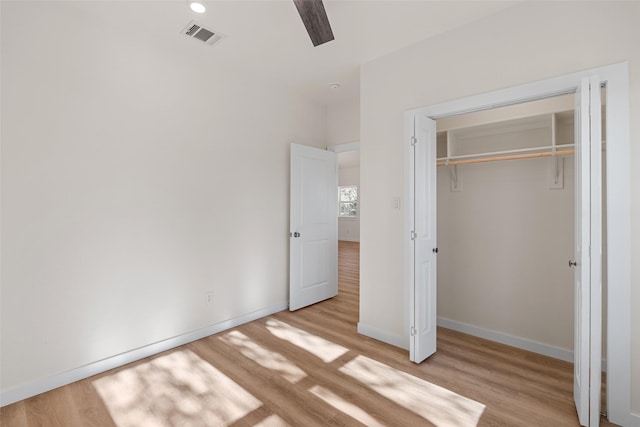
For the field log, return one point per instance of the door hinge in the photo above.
(413, 331)
(414, 141)
(413, 235)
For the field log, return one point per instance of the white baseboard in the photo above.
(513, 341)
(58, 380)
(349, 239)
(635, 420)
(377, 334)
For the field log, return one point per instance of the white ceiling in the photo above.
(268, 37)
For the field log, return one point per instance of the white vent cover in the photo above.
(197, 31)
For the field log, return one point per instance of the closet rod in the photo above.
(506, 157)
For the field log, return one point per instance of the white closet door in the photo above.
(581, 258)
(423, 294)
(595, 348)
(588, 233)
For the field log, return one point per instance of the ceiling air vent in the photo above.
(197, 31)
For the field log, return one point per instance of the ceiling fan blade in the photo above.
(315, 20)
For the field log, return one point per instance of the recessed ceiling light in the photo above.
(334, 85)
(197, 6)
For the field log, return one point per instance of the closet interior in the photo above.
(505, 184)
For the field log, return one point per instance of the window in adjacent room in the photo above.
(348, 203)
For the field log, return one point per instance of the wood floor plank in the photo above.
(328, 377)
(55, 408)
(90, 407)
(274, 392)
(14, 414)
(290, 366)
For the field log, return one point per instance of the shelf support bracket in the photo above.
(556, 172)
(454, 176)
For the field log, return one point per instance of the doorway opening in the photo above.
(349, 219)
(420, 126)
(505, 209)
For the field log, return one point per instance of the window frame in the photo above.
(341, 202)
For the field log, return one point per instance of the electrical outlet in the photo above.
(209, 296)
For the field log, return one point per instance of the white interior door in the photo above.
(595, 346)
(581, 262)
(313, 253)
(423, 217)
(588, 234)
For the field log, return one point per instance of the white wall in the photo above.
(343, 123)
(131, 184)
(349, 228)
(528, 42)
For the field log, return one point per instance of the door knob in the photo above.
(296, 234)
(572, 264)
(435, 250)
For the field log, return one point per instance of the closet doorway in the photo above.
(505, 209)
(617, 269)
(506, 225)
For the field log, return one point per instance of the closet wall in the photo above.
(505, 237)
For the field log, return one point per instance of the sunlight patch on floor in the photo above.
(325, 350)
(264, 357)
(434, 403)
(272, 421)
(347, 407)
(177, 389)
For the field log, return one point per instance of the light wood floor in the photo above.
(289, 368)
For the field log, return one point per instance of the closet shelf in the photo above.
(523, 153)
